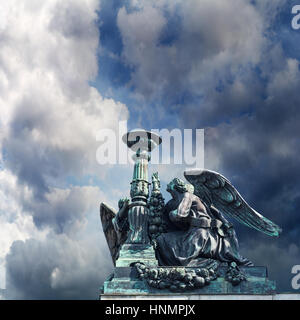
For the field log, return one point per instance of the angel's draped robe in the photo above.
(191, 241)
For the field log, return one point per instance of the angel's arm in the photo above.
(183, 209)
(218, 215)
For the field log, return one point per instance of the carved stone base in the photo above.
(125, 281)
(131, 253)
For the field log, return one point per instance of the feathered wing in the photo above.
(215, 189)
(114, 239)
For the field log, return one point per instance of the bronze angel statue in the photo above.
(195, 231)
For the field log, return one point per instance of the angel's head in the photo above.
(180, 186)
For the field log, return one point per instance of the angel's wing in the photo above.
(214, 189)
(114, 240)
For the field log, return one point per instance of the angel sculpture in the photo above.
(196, 233)
(115, 226)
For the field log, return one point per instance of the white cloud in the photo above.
(57, 268)
(48, 102)
(49, 118)
(50, 115)
(216, 39)
(13, 224)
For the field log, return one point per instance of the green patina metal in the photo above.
(151, 258)
(127, 282)
(138, 246)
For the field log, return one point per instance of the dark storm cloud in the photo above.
(217, 65)
(235, 75)
(37, 166)
(57, 268)
(65, 211)
(208, 46)
(279, 260)
(260, 153)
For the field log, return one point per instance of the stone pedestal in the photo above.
(132, 253)
(125, 282)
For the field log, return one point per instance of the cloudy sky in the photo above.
(69, 68)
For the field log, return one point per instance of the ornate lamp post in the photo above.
(137, 246)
